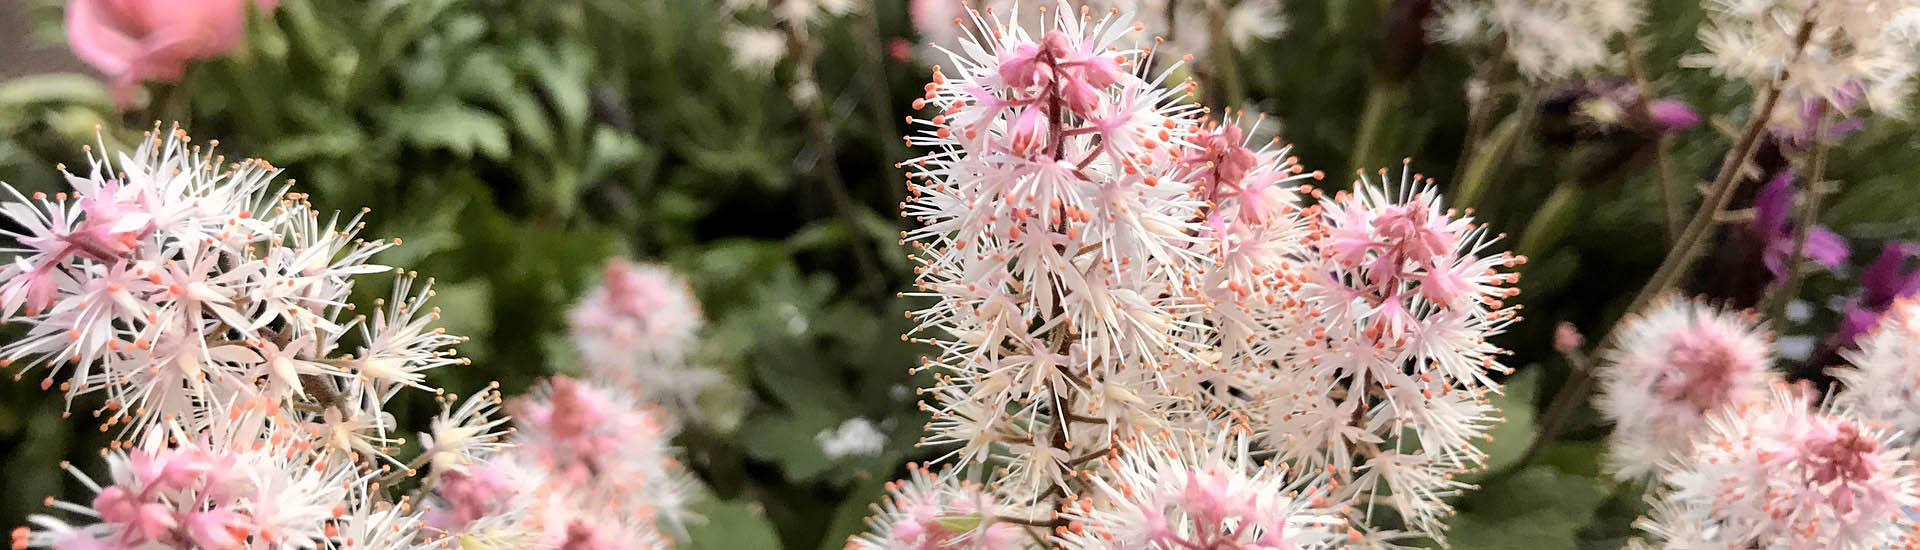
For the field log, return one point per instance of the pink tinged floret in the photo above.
(582, 536)
(1411, 233)
(143, 517)
(476, 493)
(1023, 67)
(1706, 368)
(217, 529)
(1029, 132)
(1837, 455)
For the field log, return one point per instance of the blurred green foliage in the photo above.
(515, 145)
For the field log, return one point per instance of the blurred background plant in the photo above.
(515, 146)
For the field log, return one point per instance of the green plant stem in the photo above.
(819, 131)
(1678, 261)
(1479, 106)
(880, 101)
(1809, 214)
(1382, 99)
(1662, 144)
(1471, 188)
(1229, 92)
(1551, 220)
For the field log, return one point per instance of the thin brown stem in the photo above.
(1679, 259)
(1662, 144)
(819, 129)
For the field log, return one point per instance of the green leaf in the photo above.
(729, 525)
(458, 128)
(1536, 508)
(789, 440)
(68, 88)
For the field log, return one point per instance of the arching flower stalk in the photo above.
(209, 309)
(1114, 273)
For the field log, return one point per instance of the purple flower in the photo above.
(1673, 114)
(1887, 279)
(1772, 225)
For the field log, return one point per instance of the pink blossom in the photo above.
(138, 40)
(142, 515)
(478, 492)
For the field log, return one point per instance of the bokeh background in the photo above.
(515, 146)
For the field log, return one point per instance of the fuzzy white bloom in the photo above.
(212, 310)
(933, 511)
(1381, 370)
(593, 469)
(637, 331)
(855, 437)
(1838, 52)
(1780, 474)
(1188, 27)
(1546, 39)
(1103, 259)
(1671, 368)
(1202, 491)
(1883, 382)
(756, 50)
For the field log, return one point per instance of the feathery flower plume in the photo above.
(1835, 52)
(1107, 265)
(1546, 39)
(1670, 369)
(210, 309)
(1884, 381)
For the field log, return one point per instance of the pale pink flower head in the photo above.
(138, 40)
(481, 490)
(1882, 379)
(1777, 473)
(1201, 491)
(1671, 368)
(931, 511)
(1567, 338)
(636, 330)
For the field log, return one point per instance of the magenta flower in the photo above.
(138, 40)
(1673, 114)
(1883, 282)
(1772, 226)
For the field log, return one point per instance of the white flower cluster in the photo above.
(1739, 459)
(1546, 39)
(1127, 300)
(1884, 381)
(1671, 368)
(592, 469)
(1778, 473)
(210, 308)
(1837, 51)
(1188, 27)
